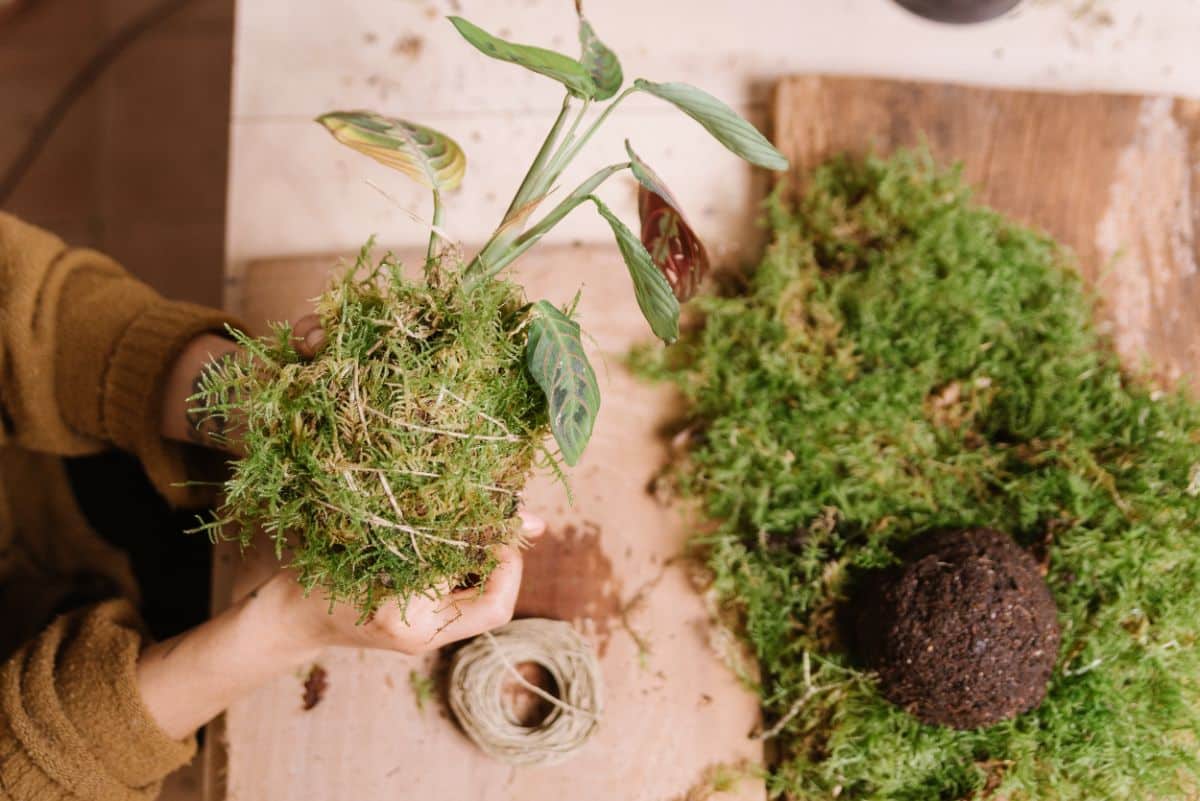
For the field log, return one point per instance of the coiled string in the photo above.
(481, 668)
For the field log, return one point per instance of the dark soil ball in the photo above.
(959, 11)
(965, 633)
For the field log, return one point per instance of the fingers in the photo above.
(308, 336)
(532, 526)
(471, 612)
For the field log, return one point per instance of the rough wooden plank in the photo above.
(289, 193)
(1115, 177)
(136, 167)
(673, 708)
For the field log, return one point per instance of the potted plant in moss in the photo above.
(393, 460)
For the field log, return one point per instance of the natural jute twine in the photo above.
(481, 668)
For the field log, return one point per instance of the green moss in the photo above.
(390, 464)
(903, 360)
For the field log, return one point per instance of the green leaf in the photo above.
(564, 69)
(423, 154)
(600, 62)
(674, 247)
(555, 357)
(726, 126)
(654, 295)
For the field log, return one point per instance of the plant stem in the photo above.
(525, 192)
(437, 222)
(553, 173)
(529, 189)
(506, 244)
(568, 153)
(536, 232)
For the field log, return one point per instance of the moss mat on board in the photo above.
(904, 361)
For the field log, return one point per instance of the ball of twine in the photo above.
(481, 668)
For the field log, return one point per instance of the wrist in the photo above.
(185, 681)
(274, 618)
(184, 381)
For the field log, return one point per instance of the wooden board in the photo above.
(293, 191)
(672, 711)
(1115, 177)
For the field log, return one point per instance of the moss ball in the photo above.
(964, 633)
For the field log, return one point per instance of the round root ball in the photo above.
(965, 633)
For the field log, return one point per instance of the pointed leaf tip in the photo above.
(564, 69)
(600, 62)
(725, 124)
(654, 295)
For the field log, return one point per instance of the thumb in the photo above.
(308, 337)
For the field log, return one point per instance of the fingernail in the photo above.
(531, 524)
(314, 339)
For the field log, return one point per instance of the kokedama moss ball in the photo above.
(391, 463)
(965, 634)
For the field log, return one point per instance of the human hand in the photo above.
(188, 679)
(426, 624)
(308, 336)
(184, 380)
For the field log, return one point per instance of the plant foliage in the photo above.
(558, 364)
(904, 361)
(430, 158)
(393, 459)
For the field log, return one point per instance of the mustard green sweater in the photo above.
(84, 353)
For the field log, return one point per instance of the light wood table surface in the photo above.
(293, 192)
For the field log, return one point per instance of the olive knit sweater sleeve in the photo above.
(72, 724)
(84, 352)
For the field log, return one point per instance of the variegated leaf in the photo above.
(600, 62)
(673, 246)
(564, 69)
(725, 124)
(423, 154)
(654, 295)
(556, 360)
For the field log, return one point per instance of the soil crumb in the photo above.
(409, 46)
(315, 685)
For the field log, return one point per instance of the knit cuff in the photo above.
(97, 677)
(133, 396)
(72, 721)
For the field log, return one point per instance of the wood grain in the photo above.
(1114, 177)
(293, 191)
(609, 564)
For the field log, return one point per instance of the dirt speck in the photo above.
(568, 576)
(315, 686)
(409, 46)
